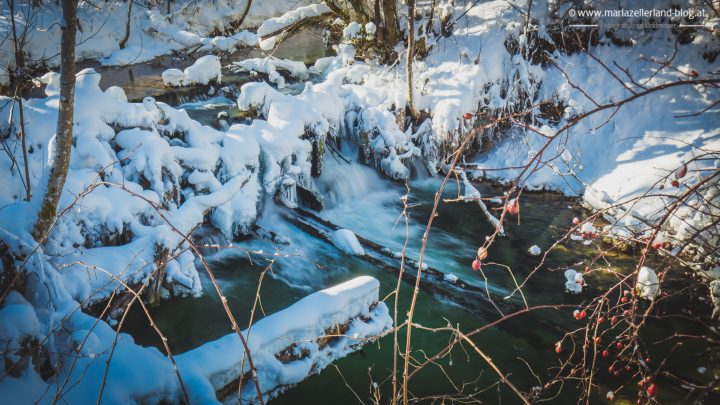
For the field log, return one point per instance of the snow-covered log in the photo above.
(290, 345)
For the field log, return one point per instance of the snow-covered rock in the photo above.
(648, 285)
(574, 281)
(173, 77)
(205, 70)
(345, 240)
(352, 31)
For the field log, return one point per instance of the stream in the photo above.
(358, 198)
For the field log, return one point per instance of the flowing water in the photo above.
(357, 198)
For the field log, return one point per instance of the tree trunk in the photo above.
(391, 22)
(245, 13)
(360, 14)
(61, 159)
(127, 27)
(410, 57)
(20, 79)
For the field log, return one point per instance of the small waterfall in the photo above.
(209, 240)
(343, 182)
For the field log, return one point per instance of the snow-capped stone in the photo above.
(173, 77)
(345, 240)
(203, 71)
(574, 281)
(534, 250)
(648, 284)
(352, 30)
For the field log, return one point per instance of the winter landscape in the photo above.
(360, 201)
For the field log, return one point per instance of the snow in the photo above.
(450, 278)
(126, 173)
(534, 250)
(345, 240)
(352, 31)
(276, 24)
(173, 77)
(203, 71)
(270, 66)
(648, 285)
(17, 319)
(153, 32)
(574, 281)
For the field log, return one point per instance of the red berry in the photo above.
(619, 345)
(476, 265)
(694, 73)
(614, 320)
(467, 116)
(611, 369)
(576, 221)
(558, 347)
(583, 314)
(675, 183)
(651, 390)
(623, 300)
(597, 340)
(600, 320)
(512, 207)
(605, 353)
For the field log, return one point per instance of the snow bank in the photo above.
(290, 345)
(127, 159)
(346, 241)
(270, 66)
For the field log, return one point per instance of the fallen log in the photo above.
(474, 298)
(290, 345)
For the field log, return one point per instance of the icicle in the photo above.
(288, 192)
